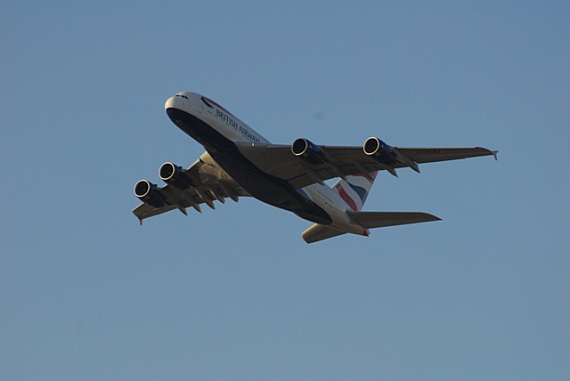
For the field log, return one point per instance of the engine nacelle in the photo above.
(381, 151)
(307, 150)
(149, 193)
(175, 176)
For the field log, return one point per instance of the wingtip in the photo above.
(495, 154)
(432, 218)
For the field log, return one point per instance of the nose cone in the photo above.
(170, 103)
(180, 101)
(178, 108)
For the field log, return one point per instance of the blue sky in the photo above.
(235, 293)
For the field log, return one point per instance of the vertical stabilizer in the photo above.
(355, 189)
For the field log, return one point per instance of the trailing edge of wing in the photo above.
(371, 220)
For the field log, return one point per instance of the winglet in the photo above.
(495, 154)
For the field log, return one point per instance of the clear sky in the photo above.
(235, 293)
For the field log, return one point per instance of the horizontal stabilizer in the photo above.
(368, 220)
(371, 220)
(319, 232)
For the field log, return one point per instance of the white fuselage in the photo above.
(335, 207)
(226, 126)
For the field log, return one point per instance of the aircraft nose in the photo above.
(179, 101)
(170, 103)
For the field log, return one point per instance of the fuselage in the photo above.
(219, 132)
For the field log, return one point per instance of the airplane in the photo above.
(239, 162)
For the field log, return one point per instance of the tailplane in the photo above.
(371, 220)
(318, 232)
(368, 220)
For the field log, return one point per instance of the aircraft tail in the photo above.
(355, 189)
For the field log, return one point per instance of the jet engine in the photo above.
(307, 150)
(381, 151)
(175, 176)
(149, 193)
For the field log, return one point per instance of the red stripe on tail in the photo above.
(342, 193)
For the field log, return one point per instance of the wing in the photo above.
(209, 183)
(279, 161)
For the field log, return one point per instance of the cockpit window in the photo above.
(181, 96)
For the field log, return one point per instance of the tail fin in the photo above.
(355, 189)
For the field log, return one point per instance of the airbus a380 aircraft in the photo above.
(239, 162)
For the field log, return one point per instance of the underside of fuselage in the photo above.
(266, 188)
